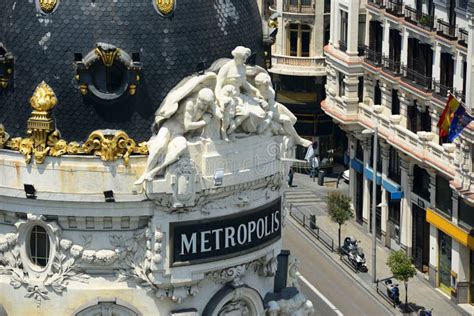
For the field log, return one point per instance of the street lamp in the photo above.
(377, 110)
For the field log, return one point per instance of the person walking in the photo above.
(290, 178)
(312, 158)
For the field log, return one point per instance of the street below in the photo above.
(328, 278)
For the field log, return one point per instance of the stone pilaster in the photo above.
(406, 216)
(386, 95)
(405, 102)
(385, 154)
(352, 173)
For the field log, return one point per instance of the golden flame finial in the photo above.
(43, 99)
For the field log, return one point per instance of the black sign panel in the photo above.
(221, 237)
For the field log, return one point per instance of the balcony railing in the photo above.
(307, 9)
(391, 65)
(310, 62)
(395, 8)
(373, 56)
(343, 46)
(377, 3)
(419, 18)
(463, 35)
(414, 77)
(446, 30)
(441, 90)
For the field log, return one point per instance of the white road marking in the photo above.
(324, 298)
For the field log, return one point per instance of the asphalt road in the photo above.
(331, 281)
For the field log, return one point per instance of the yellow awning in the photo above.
(449, 228)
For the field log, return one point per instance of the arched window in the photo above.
(107, 309)
(39, 246)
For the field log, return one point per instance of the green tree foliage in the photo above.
(402, 269)
(339, 209)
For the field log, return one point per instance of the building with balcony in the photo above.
(298, 67)
(391, 65)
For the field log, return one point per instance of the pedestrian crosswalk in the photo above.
(302, 197)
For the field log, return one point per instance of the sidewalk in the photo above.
(420, 292)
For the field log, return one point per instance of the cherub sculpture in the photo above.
(229, 103)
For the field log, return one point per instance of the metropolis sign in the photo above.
(222, 237)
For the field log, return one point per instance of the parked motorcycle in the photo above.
(425, 312)
(354, 253)
(393, 291)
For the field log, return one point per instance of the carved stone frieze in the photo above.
(264, 266)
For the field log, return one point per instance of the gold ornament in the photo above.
(84, 89)
(107, 55)
(165, 6)
(48, 6)
(44, 140)
(132, 89)
(3, 136)
(110, 146)
(43, 98)
(3, 83)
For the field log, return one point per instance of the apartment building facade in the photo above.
(298, 68)
(391, 65)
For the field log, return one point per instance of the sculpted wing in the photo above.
(186, 87)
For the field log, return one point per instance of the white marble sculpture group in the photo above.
(228, 101)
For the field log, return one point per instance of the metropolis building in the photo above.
(141, 161)
(390, 65)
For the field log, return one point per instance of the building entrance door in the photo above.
(420, 238)
(445, 246)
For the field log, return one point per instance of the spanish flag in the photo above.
(447, 116)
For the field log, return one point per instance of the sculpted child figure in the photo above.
(229, 103)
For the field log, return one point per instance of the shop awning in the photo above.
(449, 228)
(395, 190)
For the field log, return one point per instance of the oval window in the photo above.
(39, 246)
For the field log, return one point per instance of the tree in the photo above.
(402, 269)
(339, 209)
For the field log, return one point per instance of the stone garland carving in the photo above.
(44, 140)
(263, 266)
(63, 267)
(138, 266)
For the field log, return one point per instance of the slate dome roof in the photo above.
(48, 46)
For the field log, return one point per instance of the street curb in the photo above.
(338, 263)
